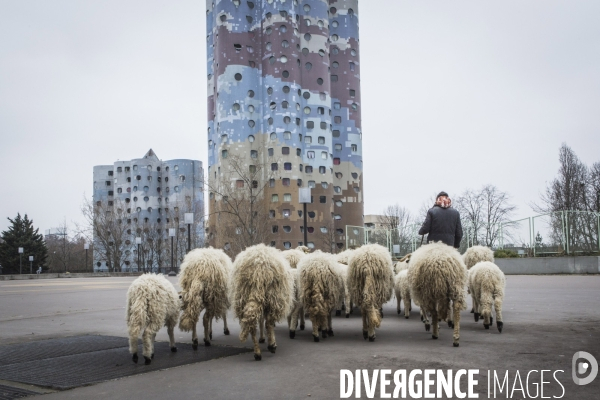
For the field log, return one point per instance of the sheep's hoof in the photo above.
(302, 327)
(372, 338)
(450, 324)
(347, 315)
(226, 332)
(152, 356)
(486, 326)
(210, 336)
(472, 311)
(476, 317)
(500, 325)
(324, 334)
(195, 344)
(427, 327)
(261, 340)
(330, 332)
(272, 349)
(292, 334)
(206, 343)
(365, 335)
(148, 360)
(257, 357)
(338, 313)
(135, 358)
(434, 337)
(399, 311)
(173, 349)
(406, 316)
(455, 344)
(316, 338)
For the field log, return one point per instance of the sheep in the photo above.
(152, 302)
(293, 257)
(475, 254)
(204, 279)
(344, 256)
(320, 286)
(402, 290)
(344, 302)
(486, 284)
(402, 264)
(262, 286)
(437, 276)
(371, 281)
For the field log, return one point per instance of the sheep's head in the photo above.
(304, 249)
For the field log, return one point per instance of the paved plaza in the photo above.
(547, 319)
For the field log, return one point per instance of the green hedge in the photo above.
(505, 254)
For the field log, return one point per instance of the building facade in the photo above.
(144, 198)
(284, 92)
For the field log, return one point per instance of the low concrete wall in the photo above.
(63, 275)
(549, 265)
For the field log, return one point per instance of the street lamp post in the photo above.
(86, 246)
(30, 265)
(20, 260)
(304, 198)
(172, 235)
(138, 240)
(189, 220)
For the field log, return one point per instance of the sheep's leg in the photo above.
(206, 321)
(425, 319)
(147, 339)
(348, 303)
(293, 322)
(370, 325)
(194, 338)
(152, 345)
(329, 325)
(272, 345)
(498, 307)
(170, 331)
(476, 308)
(257, 355)
(261, 323)
(436, 323)
(133, 344)
(363, 312)
(302, 321)
(406, 307)
(315, 327)
(450, 317)
(456, 321)
(398, 300)
(210, 328)
(225, 328)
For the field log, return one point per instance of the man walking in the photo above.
(442, 223)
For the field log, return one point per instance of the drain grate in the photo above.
(66, 369)
(10, 393)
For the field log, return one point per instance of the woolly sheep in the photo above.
(344, 302)
(475, 254)
(344, 256)
(152, 302)
(320, 285)
(371, 281)
(486, 284)
(437, 276)
(402, 264)
(293, 257)
(402, 290)
(204, 279)
(262, 286)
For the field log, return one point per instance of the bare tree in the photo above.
(398, 221)
(326, 237)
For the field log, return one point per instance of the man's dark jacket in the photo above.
(442, 224)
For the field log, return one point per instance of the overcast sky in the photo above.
(455, 95)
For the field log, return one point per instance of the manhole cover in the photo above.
(71, 362)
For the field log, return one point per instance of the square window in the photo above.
(308, 139)
(286, 181)
(274, 167)
(321, 110)
(286, 213)
(287, 197)
(298, 152)
(354, 148)
(336, 133)
(324, 155)
(336, 161)
(322, 199)
(352, 92)
(274, 198)
(309, 169)
(270, 151)
(271, 182)
(337, 119)
(310, 154)
(323, 125)
(321, 140)
(310, 124)
(322, 170)
(287, 166)
(285, 151)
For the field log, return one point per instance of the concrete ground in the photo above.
(546, 320)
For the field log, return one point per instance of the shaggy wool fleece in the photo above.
(437, 274)
(486, 284)
(152, 302)
(344, 256)
(371, 279)
(262, 281)
(475, 254)
(204, 279)
(293, 256)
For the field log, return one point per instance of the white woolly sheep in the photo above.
(486, 284)
(344, 256)
(152, 302)
(344, 302)
(438, 276)
(371, 281)
(262, 287)
(204, 279)
(320, 285)
(475, 254)
(293, 257)
(402, 290)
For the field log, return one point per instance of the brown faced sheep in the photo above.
(152, 302)
(486, 284)
(293, 257)
(204, 279)
(263, 286)
(438, 276)
(371, 280)
(320, 285)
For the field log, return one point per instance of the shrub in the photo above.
(502, 253)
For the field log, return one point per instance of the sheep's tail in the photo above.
(137, 315)
(373, 315)
(192, 306)
(251, 317)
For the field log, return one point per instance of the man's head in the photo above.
(443, 200)
(440, 194)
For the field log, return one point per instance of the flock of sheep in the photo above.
(265, 285)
